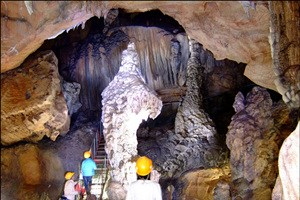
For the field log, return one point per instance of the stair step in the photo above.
(101, 166)
(101, 149)
(101, 152)
(100, 157)
(99, 160)
(97, 156)
(100, 169)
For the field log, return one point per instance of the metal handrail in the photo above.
(95, 144)
(93, 147)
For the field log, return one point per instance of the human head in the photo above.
(143, 166)
(69, 175)
(87, 154)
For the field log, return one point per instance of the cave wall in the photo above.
(285, 40)
(32, 100)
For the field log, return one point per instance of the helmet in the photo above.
(69, 175)
(143, 166)
(87, 154)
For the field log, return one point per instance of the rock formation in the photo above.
(71, 93)
(127, 101)
(286, 50)
(287, 184)
(202, 184)
(254, 138)
(32, 100)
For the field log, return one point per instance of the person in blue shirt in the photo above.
(88, 167)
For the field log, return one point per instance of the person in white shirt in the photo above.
(143, 188)
(69, 190)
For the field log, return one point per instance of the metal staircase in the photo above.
(101, 173)
(100, 178)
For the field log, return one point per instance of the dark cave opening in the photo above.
(153, 18)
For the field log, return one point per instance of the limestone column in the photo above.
(127, 101)
(192, 121)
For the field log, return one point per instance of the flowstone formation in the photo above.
(127, 100)
(254, 138)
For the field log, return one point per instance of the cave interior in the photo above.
(90, 55)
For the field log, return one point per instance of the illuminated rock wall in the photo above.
(32, 103)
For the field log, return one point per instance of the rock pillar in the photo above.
(127, 100)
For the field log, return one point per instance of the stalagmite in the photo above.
(127, 100)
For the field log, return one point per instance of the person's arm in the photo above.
(74, 191)
(83, 167)
(95, 165)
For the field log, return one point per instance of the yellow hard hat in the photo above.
(69, 175)
(143, 166)
(87, 154)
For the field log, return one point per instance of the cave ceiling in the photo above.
(232, 30)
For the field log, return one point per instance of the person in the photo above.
(69, 190)
(88, 167)
(143, 188)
